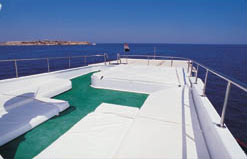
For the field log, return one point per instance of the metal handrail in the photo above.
(174, 57)
(51, 58)
(208, 70)
(237, 84)
(44, 58)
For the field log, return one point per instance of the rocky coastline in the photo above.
(44, 42)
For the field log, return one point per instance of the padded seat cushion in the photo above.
(164, 105)
(98, 135)
(23, 109)
(58, 86)
(48, 88)
(149, 139)
(124, 111)
(23, 118)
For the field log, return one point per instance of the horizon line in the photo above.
(133, 42)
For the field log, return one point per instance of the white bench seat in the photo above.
(23, 109)
(140, 79)
(124, 111)
(149, 138)
(98, 135)
(165, 105)
(164, 128)
(23, 118)
(45, 88)
(54, 87)
(114, 131)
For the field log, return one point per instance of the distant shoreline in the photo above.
(43, 42)
(71, 43)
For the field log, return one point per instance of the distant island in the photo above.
(43, 42)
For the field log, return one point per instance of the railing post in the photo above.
(205, 84)
(171, 62)
(148, 60)
(48, 64)
(69, 61)
(225, 104)
(188, 68)
(154, 52)
(118, 61)
(85, 60)
(197, 69)
(119, 58)
(105, 58)
(16, 69)
(191, 68)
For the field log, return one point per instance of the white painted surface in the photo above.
(221, 143)
(143, 79)
(156, 62)
(62, 74)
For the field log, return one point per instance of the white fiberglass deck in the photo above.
(166, 126)
(174, 122)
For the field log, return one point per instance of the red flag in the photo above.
(126, 47)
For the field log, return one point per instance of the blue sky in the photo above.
(136, 21)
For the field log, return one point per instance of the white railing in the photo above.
(69, 58)
(151, 57)
(190, 68)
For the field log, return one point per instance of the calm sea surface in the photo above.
(230, 60)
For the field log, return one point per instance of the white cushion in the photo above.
(23, 109)
(164, 105)
(152, 139)
(54, 87)
(46, 88)
(23, 118)
(143, 79)
(120, 110)
(98, 135)
(60, 104)
(8, 102)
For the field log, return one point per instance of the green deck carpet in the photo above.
(83, 99)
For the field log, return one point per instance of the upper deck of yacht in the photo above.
(175, 121)
(164, 127)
